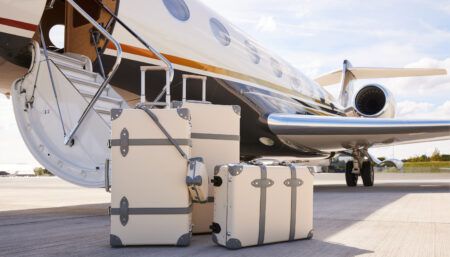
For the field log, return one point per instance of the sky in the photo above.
(316, 36)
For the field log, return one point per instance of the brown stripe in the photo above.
(18, 24)
(210, 68)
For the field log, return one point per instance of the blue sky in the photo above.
(317, 35)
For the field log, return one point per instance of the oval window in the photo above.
(56, 35)
(276, 66)
(253, 51)
(178, 9)
(296, 84)
(220, 32)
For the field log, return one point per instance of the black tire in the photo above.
(367, 174)
(350, 177)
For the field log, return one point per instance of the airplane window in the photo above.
(296, 84)
(276, 66)
(178, 9)
(220, 32)
(253, 52)
(56, 35)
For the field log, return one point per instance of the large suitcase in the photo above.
(257, 205)
(150, 203)
(215, 137)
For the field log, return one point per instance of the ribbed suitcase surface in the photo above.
(150, 203)
(215, 137)
(257, 204)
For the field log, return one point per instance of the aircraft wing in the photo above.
(323, 133)
(372, 73)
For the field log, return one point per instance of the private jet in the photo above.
(114, 50)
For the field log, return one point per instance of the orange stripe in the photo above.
(210, 68)
(18, 24)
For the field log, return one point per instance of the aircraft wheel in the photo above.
(367, 174)
(350, 178)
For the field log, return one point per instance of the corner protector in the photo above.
(233, 244)
(310, 234)
(177, 104)
(217, 169)
(311, 170)
(184, 113)
(184, 240)
(115, 113)
(115, 241)
(235, 170)
(214, 238)
(237, 109)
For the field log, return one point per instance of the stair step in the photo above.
(88, 86)
(104, 102)
(65, 60)
(72, 72)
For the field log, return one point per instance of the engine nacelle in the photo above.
(374, 101)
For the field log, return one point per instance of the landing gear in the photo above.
(350, 177)
(367, 173)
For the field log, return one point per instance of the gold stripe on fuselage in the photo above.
(214, 69)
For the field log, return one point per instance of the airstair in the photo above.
(78, 70)
(63, 107)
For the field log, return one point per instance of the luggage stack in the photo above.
(176, 172)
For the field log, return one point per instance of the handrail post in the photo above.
(69, 137)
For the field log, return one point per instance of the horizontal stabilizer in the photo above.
(373, 73)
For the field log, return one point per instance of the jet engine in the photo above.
(374, 101)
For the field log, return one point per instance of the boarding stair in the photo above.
(78, 70)
(63, 107)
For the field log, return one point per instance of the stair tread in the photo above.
(65, 67)
(57, 56)
(102, 97)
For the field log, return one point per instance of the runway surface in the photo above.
(403, 215)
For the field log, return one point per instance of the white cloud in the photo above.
(425, 110)
(266, 24)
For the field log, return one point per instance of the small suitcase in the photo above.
(215, 137)
(257, 205)
(150, 203)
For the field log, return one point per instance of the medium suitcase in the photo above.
(257, 205)
(150, 203)
(215, 137)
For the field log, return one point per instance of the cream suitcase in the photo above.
(257, 205)
(215, 137)
(150, 203)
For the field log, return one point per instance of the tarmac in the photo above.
(403, 215)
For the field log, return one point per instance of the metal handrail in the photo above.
(50, 73)
(69, 137)
(140, 39)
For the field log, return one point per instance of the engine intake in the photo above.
(374, 101)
